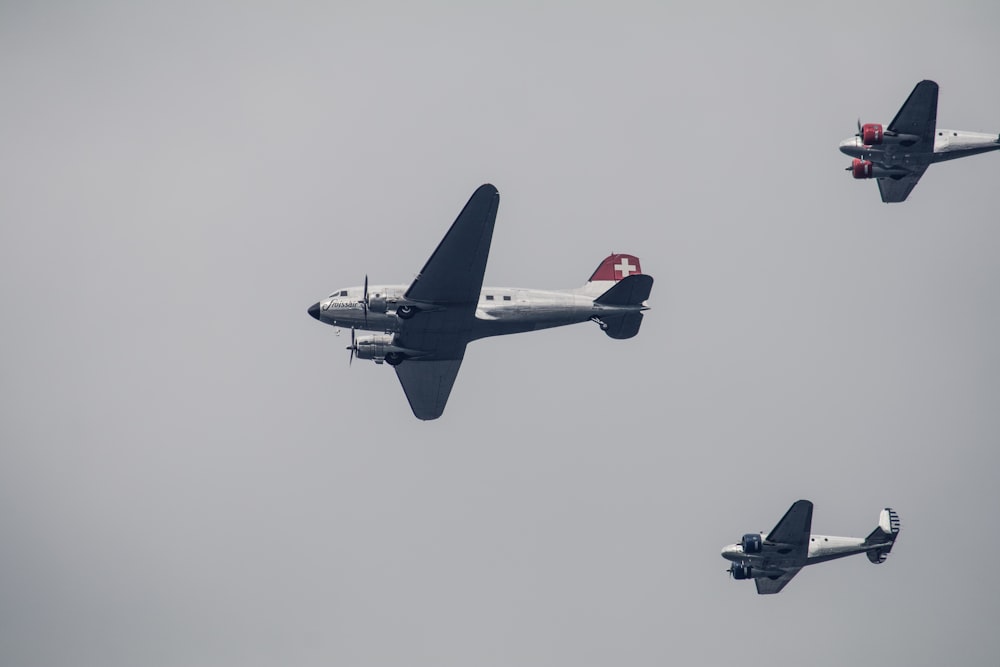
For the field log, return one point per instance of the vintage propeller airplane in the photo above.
(899, 154)
(772, 559)
(423, 328)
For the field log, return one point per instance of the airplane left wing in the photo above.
(768, 586)
(918, 115)
(792, 531)
(896, 190)
(454, 272)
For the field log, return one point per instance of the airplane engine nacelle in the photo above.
(741, 571)
(751, 543)
(871, 134)
(373, 347)
(861, 168)
(377, 303)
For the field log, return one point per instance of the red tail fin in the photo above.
(617, 266)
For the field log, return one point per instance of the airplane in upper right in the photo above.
(898, 155)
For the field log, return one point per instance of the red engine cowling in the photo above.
(861, 168)
(871, 134)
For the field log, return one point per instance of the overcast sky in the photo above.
(191, 474)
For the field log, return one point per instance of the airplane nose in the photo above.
(314, 310)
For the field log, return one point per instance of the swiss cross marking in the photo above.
(625, 268)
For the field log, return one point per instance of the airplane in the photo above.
(772, 559)
(424, 327)
(899, 154)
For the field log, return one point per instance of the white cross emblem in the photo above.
(625, 268)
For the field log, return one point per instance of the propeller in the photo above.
(859, 127)
(364, 302)
(353, 347)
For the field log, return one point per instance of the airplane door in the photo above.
(521, 300)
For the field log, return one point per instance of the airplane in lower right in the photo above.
(772, 559)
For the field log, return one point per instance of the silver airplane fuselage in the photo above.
(499, 311)
(821, 548)
(948, 145)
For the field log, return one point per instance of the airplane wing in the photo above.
(454, 273)
(793, 529)
(768, 586)
(897, 190)
(427, 385)
(918, 115)
(450, 282)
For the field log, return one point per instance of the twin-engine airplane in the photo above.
(898, 155)
(424, 327)
(772, 559)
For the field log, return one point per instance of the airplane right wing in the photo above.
(918, 115)
(768, 586)
(427, 385)
(895, 190)
(792, 531)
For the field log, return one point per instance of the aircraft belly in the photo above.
(376, 321)
(965, 151)
(513, 320)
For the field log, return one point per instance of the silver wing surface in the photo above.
(446, 292)
(791, 534)
(895, 190)
(768, 586)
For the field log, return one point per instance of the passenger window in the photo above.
(507, 298)
(489, 297)
(343, 292)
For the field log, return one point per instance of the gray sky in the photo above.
(190, 474)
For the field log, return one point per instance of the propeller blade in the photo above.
(353, 348)
(366, 301)
(859, 126)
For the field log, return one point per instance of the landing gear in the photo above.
(406, 312)
(601, 323)
(394, 358)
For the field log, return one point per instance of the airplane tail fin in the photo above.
(884, 536)
(612, 269)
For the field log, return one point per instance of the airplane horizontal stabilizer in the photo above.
(630, 291)
(884, 535)
(622, 326)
